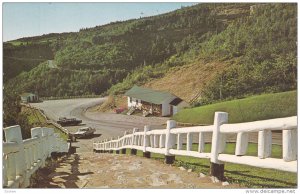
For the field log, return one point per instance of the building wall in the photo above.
(134, 103)
(179, 107)
(29, 98)
(166, 107)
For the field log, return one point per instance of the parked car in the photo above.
(63, 121)
(84, 132)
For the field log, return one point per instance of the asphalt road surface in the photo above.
(107, 124)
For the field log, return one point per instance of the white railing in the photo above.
(21, 158)
(169, 142)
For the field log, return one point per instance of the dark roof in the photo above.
(149, 95)
(26, 94)
(176, 101)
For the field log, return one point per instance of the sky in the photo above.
(32, 19)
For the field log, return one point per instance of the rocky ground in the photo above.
(104, 170)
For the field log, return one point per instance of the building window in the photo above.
(130, 99)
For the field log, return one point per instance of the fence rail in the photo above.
(21, 158)
(170, 143)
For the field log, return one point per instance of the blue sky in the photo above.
(31, 19)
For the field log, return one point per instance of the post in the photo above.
(201, 144)
(11, 167)
(151, 141)
(218, 145)
(170, 142)
(189, 142)
(4, 170)
(241, 144)
(155, 141)
(38, 133)
(146, 142)
(179, 141)
(161, 141)
(264, 144)
(133, 151)
(13, 134)
(289, 145)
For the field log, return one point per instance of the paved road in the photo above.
(107, 124)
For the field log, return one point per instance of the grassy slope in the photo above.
(260, 107)
(37, 120)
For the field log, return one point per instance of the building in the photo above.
(158, 103)
(29, 97)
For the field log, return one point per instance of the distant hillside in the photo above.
(216, 51)
(115, 50)
(188, 81)
(260, 51)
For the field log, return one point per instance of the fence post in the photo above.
(123, 151)
(13, 134)
(241, 144)
(264, 144)
(4, 170)
(118, 145)
(189, 141)
(111, 146)
(146, 142)
(289, 145)
(161, 141)
(170, 142)
(218, 145)
(133, 151)
(201, 144)
(179, 141)
(38, 132)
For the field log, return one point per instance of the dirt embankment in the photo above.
(187, 81)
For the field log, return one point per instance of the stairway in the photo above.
(131, 111)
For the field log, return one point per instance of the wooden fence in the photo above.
(170, 140)
(21, 158)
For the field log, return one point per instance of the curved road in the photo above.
(107, 124)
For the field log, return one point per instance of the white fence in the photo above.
(21, 158)
(170, 140)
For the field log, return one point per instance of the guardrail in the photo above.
(69, 97)
(170, 140)
(21, 158)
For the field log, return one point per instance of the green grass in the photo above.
(243, 175)
(37, 120)
(266, 106)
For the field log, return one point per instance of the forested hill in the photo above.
(121, 54)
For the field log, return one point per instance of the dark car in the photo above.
(63, 121)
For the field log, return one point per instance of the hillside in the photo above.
(187, 81)
(214, 51)
(106, 54)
